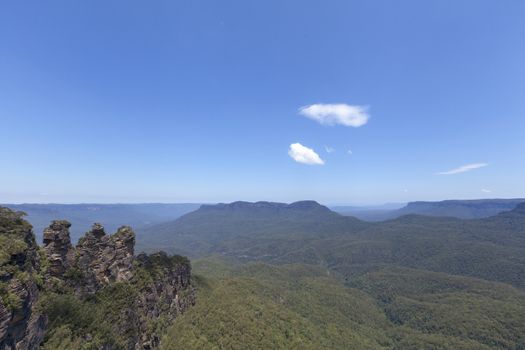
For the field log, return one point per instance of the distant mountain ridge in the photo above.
(200, 230)
(265, 208)
(463, 209)
(491, 248)
(520, 208)
(83, 215)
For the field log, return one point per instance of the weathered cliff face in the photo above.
(96, 261)
(166, 296)
(102, 259)
(150, 291)
(21, 325)
(97, 293)
(58, 248)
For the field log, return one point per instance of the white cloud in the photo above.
(304, 155)
(485, 190)
(350, 152)
(332, 114)
(329, 149)
(462, 169)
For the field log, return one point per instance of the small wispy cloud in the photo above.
(332, 114)
(304, 155)
(484, 190)
(350, 152)
(329, 149)
(463, 169)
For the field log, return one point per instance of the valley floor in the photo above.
(298, 306)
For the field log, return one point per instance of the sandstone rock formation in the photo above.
(102, 259)
(157, 286)
(167, 286)
(58, 248)
(21, 325)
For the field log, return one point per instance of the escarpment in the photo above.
(96, 261)
(96, 294)
(58, 248)
(21, 324)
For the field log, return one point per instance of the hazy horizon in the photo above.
(330, 204)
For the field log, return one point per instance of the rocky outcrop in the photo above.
(102, 259)
(96, 261)
(140, 295)
(21, 325)
(26, 326)
(58, 248)
(159, 285)
(172, 284)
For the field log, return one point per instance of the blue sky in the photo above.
(192, 101)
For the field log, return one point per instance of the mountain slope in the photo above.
(261, 306)
(491, 248)
(202, 231)
(463, 209)
(416, 282)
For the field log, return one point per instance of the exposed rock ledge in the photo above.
(21, 325)
(161, 284)
(96, 261)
